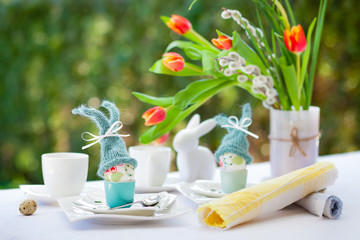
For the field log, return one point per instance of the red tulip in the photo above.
(222, 42)
(295, 39)
(179, 24)
(173, 61)
(162, 139)
(154, 116)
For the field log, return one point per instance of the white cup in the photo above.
(65, 173)
(153, 164)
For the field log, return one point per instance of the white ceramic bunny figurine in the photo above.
(194, 161)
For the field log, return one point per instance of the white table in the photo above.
(293, 222)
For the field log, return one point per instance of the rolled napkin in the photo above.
(322, 204)
(267, 197)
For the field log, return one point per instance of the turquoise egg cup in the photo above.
(119, 193)
(233, 180)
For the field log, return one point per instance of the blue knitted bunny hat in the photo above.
(113, 149)
(235, 140)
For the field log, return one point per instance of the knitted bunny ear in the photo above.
(95, 115)
(221, 120)
(113, 111)
(246, 111)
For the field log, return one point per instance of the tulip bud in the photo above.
(162, 139)
(222, 42)
(173, 61)
(295, 39)
(179, 24)
(154, 116)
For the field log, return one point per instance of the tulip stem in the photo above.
(298, 73)
(283, 13)
(196, 37)
(193, 68)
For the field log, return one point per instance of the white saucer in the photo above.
(97, 204)
(202, 191)
(38, 191)
(185, 189)
(206, 188)
(137, 214)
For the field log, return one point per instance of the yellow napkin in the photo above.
(267, 197)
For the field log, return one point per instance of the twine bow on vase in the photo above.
(294, 138)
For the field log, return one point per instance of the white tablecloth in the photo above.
(293, 222)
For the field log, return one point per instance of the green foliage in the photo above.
(189, 70)
(56, 55)
(285, 72)
(289, 74)
(247, 52)
(163, 102)
(315, 49)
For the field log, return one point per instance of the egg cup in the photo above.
(233, 180)
(119, 193)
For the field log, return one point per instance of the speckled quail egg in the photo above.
(28, 207)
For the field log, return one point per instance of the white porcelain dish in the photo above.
(97, 204)
(206, 188)
(202, 191)
(38, 191)
(185, 189)
(75, 214)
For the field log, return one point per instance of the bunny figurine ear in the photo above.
(194, 121)
(205, 127)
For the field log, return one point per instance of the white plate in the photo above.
(206, 188)
(202, 191)
(172, 180)
(185, 189)
(37, 192)
(75, 214)
(96, 204)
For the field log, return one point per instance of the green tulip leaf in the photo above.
(209, 63)
(193, 53)
(215, 90)
(247, 52)
(195, 89)
(306, 55)
(156, 101)
(290, 79)
(184, 44)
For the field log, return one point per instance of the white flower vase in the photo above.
(294, 139)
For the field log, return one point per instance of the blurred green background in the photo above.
(56, 55)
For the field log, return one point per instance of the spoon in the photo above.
(147, 202)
